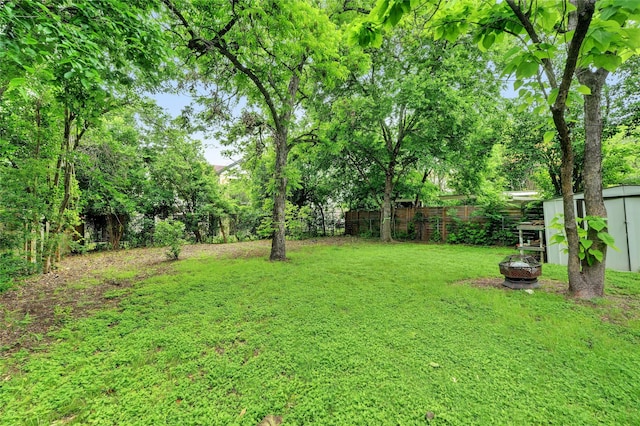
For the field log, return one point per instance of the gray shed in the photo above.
(623, 210)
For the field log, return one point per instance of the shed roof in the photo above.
(613, 192)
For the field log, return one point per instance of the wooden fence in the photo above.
(422, 223)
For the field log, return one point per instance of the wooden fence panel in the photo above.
(424, 223)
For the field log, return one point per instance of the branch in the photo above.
(528, 26)
(585, 15)
(217, 43)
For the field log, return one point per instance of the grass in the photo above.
(353, 334)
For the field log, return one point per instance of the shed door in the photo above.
(618, 260)
(632, 208)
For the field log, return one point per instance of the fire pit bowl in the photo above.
(520, 271)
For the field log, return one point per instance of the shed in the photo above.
(623, 210)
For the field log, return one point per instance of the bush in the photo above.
(169, 233)
(495, 228)
(13, 266)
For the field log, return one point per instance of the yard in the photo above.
(346, 332)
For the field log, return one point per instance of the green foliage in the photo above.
(621, 157)
(493, 228)
(297, 220)
(170, 233)
(436, 235)
(12, 267)
(359, 333)
(587, 253)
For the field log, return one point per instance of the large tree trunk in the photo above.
(385, 218)
(278, 250)
(592, 282)
(566, 179)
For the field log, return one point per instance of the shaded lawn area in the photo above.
(359, 333)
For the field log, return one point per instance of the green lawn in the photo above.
(359, 333)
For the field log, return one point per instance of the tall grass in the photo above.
(352, 334)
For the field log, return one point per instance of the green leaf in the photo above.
(586, 244)
(488, 40)
(548, 136)
(606, 238)
(584, 89)
(553, 96)
(597, 254)
(557, 239)
(609, 61)
(596, 222)
(16, 82)
(527, 69)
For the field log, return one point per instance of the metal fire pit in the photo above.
(520, 271)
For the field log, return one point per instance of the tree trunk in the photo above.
(324, 226)
(566, 178)
(278, 249)
(224, 235)
(115, 227)
(592, 284)
(385, 219)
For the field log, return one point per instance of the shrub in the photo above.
(169, 233)
(13, 266)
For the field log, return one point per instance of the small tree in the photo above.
(169, 234)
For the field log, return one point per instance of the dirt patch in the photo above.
(81, 285)
(547, 286)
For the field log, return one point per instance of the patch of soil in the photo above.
(84, 284)
(548, 286)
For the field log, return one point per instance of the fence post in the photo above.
(444, 224)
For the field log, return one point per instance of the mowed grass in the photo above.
(354, 334)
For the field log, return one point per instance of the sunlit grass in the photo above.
(352, 334)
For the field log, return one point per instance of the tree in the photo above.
(266, 52)
(62, 53)
(111, 172)
(415, 107)
(588, 39)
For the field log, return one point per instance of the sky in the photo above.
(173, 104)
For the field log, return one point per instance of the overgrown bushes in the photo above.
(494, 228)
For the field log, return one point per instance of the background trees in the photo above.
(417, 109)
(323, 121)
(267, 53)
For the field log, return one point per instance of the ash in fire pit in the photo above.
(520, 271)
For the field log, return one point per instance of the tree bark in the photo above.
(385, 218)
(592, 284)
(278, 249)
(224, 235)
